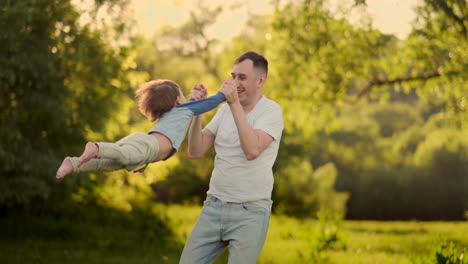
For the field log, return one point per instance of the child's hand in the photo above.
(229, 90)
(198, 92)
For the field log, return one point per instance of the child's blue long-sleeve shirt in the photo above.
(204, 105)
(175, 123)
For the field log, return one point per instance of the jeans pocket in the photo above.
(207, 202)
(253, 208)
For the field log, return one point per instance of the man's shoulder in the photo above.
(267, 103)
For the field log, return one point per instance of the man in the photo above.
(246, 133)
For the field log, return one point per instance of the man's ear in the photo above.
(261, 79)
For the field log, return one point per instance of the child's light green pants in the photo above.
(129, 153)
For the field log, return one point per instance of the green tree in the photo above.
(433, 57)
(320, 63)
(302, 191)
(394, 175)
(63, 72)
(333, 61)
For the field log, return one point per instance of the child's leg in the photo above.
(70, 165)
(134, 150)
(129, 153)
(91, 151)
(100, 165)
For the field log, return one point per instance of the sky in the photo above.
(389, 16)
(393, 16)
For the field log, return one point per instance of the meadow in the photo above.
(49, 239)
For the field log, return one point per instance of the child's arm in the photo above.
(205, 105)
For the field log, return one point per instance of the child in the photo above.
(160, 100)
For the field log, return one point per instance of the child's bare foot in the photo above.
(91, 151)
(64, 169)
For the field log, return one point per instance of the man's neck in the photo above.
(249, 107)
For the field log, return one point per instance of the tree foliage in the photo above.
(412, 172)
(61, 76)
(322, 65)
(374, 125)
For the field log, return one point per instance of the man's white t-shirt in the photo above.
(234, 178)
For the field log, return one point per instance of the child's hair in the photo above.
(156, 98)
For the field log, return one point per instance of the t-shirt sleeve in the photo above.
(271, 121)
(205, 105)
(213, 125)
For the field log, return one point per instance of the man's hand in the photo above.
(229, 90)
(198, 92)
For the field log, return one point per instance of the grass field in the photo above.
(64, 240)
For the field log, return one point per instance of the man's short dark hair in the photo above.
(258, 60)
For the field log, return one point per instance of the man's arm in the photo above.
(199, 141)
(253, 141)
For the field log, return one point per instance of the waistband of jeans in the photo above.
(261, 203)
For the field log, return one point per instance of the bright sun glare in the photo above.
(389, 16)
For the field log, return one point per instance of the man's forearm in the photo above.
(249, 140)
(195, 138)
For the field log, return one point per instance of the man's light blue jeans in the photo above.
(241, 226)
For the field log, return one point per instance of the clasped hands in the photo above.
(229, 89)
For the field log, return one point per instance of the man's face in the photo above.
(247, 82)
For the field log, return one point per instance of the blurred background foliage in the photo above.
(376, 127)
